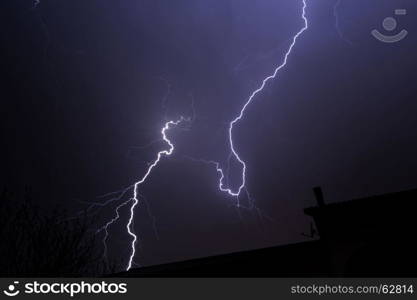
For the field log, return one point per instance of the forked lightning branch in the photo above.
(233, 192)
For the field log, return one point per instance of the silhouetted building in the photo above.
(373, 236)
(370, 236)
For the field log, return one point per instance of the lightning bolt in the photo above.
(134, 200)
(235, 154)
(106, 232)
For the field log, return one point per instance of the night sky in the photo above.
(86, 84)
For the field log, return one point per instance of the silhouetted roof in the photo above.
(384, 201)
(377, 232)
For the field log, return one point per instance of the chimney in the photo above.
(319, 196)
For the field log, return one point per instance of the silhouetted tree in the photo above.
(34, 243)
